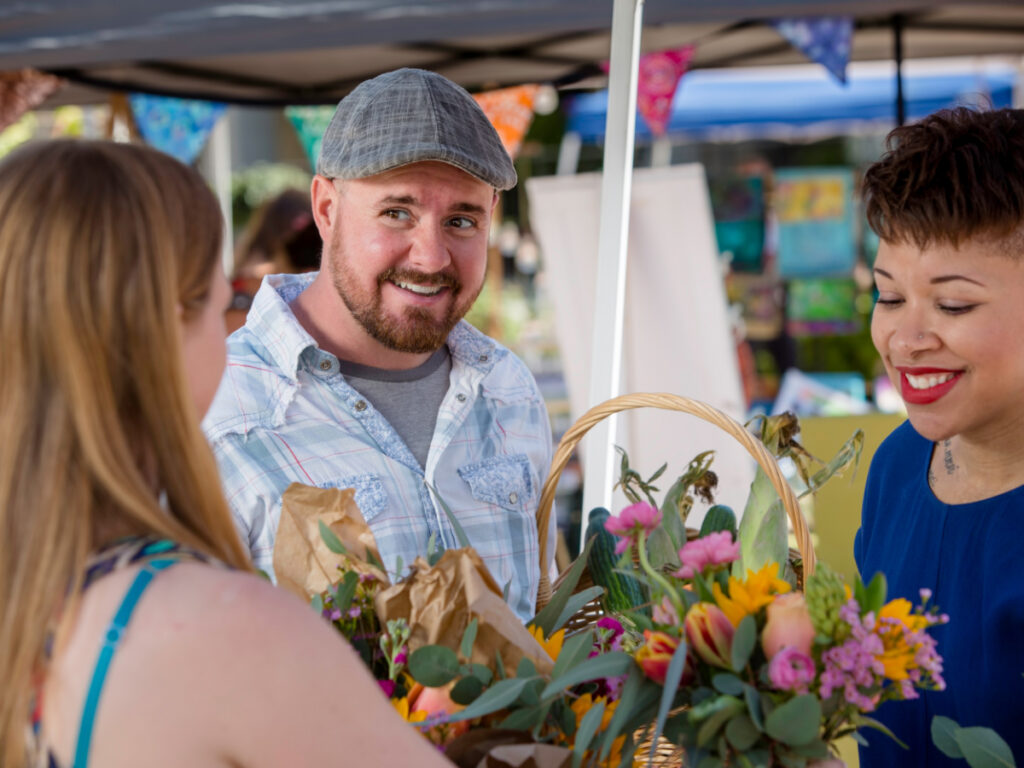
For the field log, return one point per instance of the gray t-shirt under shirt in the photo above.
(409, 400)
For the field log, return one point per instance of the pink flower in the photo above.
(388, 686)
(789, 625)
(791, 670)
(665, 613)
(631, 521)
(714, 549)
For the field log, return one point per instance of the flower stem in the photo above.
(659, 579)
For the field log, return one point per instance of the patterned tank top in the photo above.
(154, 555)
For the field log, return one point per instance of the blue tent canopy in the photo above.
(708, 101)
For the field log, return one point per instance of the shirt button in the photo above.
(513, 497)
(460, 397)
(361, 405)
(484, 358)
(325, 365)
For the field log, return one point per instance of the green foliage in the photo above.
(795, 722)
(743, 642)
(433, 665)
(980, 747)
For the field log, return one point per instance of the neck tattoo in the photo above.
(947, 458)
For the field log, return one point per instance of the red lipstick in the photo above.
(913, 396)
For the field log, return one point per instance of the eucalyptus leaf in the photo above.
(743, 641)
(627, 702)
(530, 696)
(753, 700)
(482, 673)
(796, 722)
(498, 696)
(331, 539)
(585, 734)
(983, 748)
(673, 676)
(548, 616)
(524, 719)
(610, 664)
(944, 736)
(433, 665)
(726, 708)
(468, 638)
(816, 749)
(526, 668)
(318, 603)
(346, 591)
(574, 650)
(724, 682)
(741, 732)
(710, 761)
(467, 690)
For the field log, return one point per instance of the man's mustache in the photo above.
(444, 279)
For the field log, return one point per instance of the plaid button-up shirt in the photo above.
(284, 414)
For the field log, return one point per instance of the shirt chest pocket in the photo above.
(504, 481)
(371, 497)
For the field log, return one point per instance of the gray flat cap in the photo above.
(408, 116)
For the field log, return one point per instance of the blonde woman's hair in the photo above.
(103, 249)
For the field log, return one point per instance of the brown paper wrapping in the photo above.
(302, 562)
(503, 748)
(527, 756)
(439, 603)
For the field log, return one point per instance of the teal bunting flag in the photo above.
(310, 124)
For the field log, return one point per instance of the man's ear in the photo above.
(324, 197)
(494, 200)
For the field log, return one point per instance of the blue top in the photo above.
(970, 556)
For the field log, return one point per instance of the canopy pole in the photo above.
(609, 307)
(897, 54)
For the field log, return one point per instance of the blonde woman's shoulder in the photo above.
(222, 668)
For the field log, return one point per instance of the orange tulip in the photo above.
(710, 634)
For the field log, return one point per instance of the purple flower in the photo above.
(388, 686)
(355, 612)
(631, 521)
(791, 670)
(853, 666)
(714, 549)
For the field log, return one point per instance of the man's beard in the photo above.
(416, 330)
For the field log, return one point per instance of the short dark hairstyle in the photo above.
(955, 175)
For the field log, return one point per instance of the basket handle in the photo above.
(669, 402)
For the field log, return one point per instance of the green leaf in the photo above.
(671, 520)
(627, 702)
(724, 682)
(575, 650)
(346, 591)
(726, 708)
(753, 699)
(862, 721)
(944, 736)
(762, 533)
(531, 692)
(743, 642)
(434, 552)
(875, 594)
(610, 664)
(331, 539)
(795, 722)
(499, 666)
(983, 748)
(372, 560)
(526, 668)
(467, 690)
(673, 675)
(498, 696)
(482, 673)
(468, 638)
(816, 749)
(525, 719)
(710, 761)
(433, 665)
(588, 727)
(741, 732)
(661, 550)
(548, 616)
(460, 533)
(318, 603)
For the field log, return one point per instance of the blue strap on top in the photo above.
(110, 642)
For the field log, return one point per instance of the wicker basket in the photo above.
(667, 754)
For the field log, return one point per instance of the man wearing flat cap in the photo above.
(364, 375)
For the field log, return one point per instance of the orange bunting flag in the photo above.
(510, 111)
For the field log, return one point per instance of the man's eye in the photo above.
(462, 222)
(397, 214)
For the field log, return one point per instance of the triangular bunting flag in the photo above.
(310, 124)
(510, 111)
(178, 127)
(23, 90)
(823, 39)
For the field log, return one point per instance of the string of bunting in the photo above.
(826, 40)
